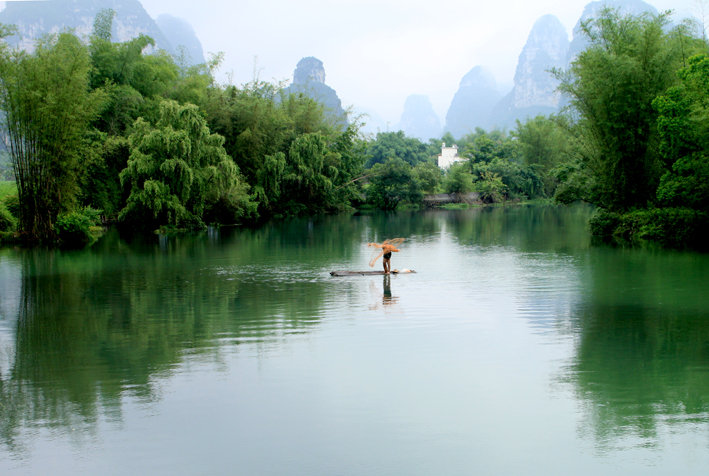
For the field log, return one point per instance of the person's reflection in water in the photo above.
(387, 298)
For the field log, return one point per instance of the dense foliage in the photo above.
(498, 168)
(107, 132)
(48, 107)
(150, 144)
(389, 145)
(178, 172)
(7, 221)
(683, 125)
(640, 92)
(393, 182)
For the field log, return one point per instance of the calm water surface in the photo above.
(516, 348)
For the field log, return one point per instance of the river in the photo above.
(517, 347)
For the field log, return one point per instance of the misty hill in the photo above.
(625, 7)
(309, 80)
(181, 36)
(419, 120)
(534, 90)
(372, 122)
(35, 19)
(473, 103)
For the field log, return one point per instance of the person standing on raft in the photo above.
(387, 247)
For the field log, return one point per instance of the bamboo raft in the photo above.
(370, 273)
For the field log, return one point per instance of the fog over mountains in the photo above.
(479, 101)
(35, 19)
(419, 119)
(472, 105)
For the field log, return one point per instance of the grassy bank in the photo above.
(7, 188)
(7, 221)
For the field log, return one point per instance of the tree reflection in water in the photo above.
(97, 326)
(642, 358)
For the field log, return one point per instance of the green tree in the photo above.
(99, 184)
(495, 156)
(520, 181)
(257, 122)
(350, 149)
(193, 82)
(103, 24)
(682, 124)
(393, 183)
(389, 145)
(136, 81)
(133, 80)
(7, 221)
(285, 147)
(447, 138)
(47, 108)
(612, 84)
(544, 144)
(429, 176)
(482, 146)
(309, 175)
(687, 184)
(458, 179)
(490, 187)
(178, 170)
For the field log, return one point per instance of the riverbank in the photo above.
(7, 187)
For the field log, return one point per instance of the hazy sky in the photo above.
(377, 52)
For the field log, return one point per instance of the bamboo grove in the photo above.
(99, 131)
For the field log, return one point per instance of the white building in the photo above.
(449, 156)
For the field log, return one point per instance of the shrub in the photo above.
(12, 202)
(230, 209)
(491, 188)
(74, 229)
(458, 179)
(669, 227)
(687, 185)
(672, 227)
(603, 223)
(7, 221)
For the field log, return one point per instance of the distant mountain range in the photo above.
(478, 101)
(535, 87)
(35, 19)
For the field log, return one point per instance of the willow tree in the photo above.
(47, 107)
(179, 173)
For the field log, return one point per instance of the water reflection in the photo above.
(95, 326)
(504, 300)
(387, 298)
(384, 299)
(642, 357)
(538, 228)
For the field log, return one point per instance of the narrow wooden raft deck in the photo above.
(370, 273)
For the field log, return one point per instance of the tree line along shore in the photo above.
(101, 132)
